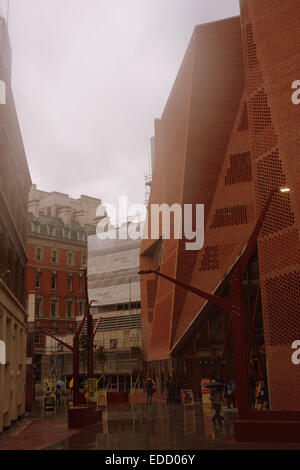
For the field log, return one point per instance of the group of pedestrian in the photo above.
(150, 389)
(259, 396)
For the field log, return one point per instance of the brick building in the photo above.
(57, 249)
(15, 184)
(228, 136)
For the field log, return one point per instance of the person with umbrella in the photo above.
(216, 398)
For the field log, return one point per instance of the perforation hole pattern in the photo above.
(269, 177)
(244, 10)
(244, 124)
(240, 169)
(227, 216)
(254, 74)
(264, 141)
(283, 251)
(260, 111)
(283, 306)
(209, 260)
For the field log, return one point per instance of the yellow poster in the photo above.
(91, 390)
(102, 397)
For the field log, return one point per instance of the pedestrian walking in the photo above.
(230, 393)
(171, 390)
(149, 389)
(58, 394)
(216, 397)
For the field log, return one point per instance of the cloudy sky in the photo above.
(89, 77)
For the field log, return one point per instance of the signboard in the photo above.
(102, 397)
(91, 390)
(205, 391)
(187, 397)
(49, 403)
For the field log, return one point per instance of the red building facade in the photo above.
(55, 278)
(229, 135)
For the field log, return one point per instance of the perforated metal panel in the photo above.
(283, 308)
(240, 169)
(235, 215)
(279, 238)
(210, 261)
(269, 176)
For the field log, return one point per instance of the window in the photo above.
(70, 283)
(53, 331)
(53, 307)
(83, 260)
(38, 280)
(69, 308)
(81, 307)
(54, 281)
(80, 283)
(38, 254)
(54, 257)
(113, 343)
(70, 258)
(38, 307)
(36, 337)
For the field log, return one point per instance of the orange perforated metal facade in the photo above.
(228, 136)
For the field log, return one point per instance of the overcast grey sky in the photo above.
(89, 77)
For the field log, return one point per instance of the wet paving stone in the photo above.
(163, 427)
(133, 427)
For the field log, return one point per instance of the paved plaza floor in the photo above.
(132, 427)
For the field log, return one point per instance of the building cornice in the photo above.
(54, 268)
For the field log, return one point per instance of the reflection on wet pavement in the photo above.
(133, 426)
